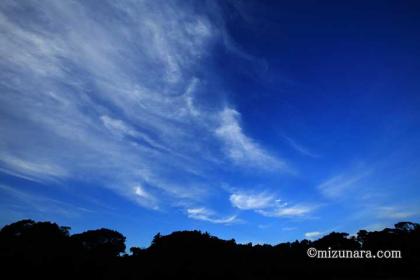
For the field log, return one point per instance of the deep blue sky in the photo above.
(263, 121)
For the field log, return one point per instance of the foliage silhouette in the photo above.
(30, 249)
(100, 243)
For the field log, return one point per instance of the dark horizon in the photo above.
(47, 250)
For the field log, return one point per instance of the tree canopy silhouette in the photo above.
(31, 249)
(100, 243)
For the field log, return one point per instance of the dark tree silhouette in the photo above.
(40, 240)
(100, 243)
(44, 250)
(337, 240)
(136, 251)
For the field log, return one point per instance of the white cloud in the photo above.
(207, 215)
(251, 201)
(116, 102)
(34, 170)
(300, 148)
(36, 203)
(242, 149)
(268, 205)
(340, 185)
(312, 235)
(145, 198)
(91, 98)
(288, 211)
(118, 126)
(392, 212)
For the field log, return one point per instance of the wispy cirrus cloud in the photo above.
(381, 214)
(117, 102)
(145, 198)
(37, 170)
(242, 149)
(207, 215)
(312, 235)
(300, 148)
(393, 212)
(86, 93)
(269, 205)
(36, 203)
(342, 184)
(252, 201)
(298, 210)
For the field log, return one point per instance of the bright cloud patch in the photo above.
(268, 205)
(312, 235)
(239, 147)
(250, 202)
(288, 211)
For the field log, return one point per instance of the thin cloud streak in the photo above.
(300, 148)
(288, 211)
(207, 215)
(37, 171)
(42, 204)
(240, 148)
(269, 205)
(340, 185)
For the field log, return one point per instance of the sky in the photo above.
(261, 121)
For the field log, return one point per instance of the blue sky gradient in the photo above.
(262, 121)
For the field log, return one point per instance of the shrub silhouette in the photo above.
(30, 249)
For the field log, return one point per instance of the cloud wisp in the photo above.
(300, 148)
(32, 170)
(252, 201)
(242, 149)
(312, 235)
(269, 205)
(340, 185)
(35, 203)
(207, 215)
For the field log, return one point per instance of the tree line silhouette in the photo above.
(30, 249)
